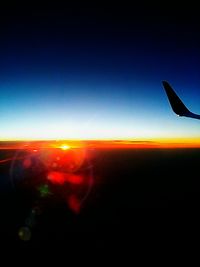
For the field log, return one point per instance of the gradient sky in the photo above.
(96, 72)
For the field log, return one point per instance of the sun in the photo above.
(65, 147)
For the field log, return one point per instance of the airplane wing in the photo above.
(176, 104)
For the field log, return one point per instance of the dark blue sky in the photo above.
(96, 72)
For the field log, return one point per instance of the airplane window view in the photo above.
(100, 132)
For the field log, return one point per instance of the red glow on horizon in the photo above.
(101, 144)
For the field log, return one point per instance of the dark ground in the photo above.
(141, 198)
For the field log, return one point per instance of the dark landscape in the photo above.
(138, 195)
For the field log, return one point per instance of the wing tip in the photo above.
(176, 103)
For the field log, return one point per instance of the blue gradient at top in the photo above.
(88, 77)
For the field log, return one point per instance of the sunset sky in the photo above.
(96, 72)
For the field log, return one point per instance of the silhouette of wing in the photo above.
(176, 104)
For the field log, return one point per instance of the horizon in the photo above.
(100, 143)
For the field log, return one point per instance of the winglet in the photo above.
(177, 105)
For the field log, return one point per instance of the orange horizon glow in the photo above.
(104, 144)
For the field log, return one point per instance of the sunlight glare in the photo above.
(65, 147)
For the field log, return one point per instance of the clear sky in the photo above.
(96, 72)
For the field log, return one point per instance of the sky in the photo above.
(88, 72)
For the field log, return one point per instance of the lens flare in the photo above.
(53, 174)
(47, 174)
